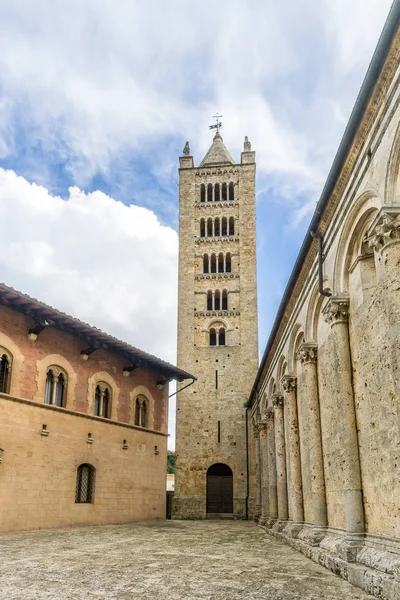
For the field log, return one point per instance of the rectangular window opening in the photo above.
(216, 380)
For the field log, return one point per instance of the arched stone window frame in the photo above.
(102, 405)
(17, 359)
(85, 483)
(142, 391)
(103, 378)
(217, 324)
(60, 362)
(54, 375)
(7, 357)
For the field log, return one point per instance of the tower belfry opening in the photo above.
(217, 329)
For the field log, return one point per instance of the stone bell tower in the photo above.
(217, 330)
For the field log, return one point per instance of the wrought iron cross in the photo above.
(218, 124)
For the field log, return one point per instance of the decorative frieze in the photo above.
(385, 228)
(217, 313)
(207, 172)
(307, 353)
(289, 383)
(216, 276)
(336, 310)
(207, 240)
(221, 204)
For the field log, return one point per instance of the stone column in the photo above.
(280, 452)
(256, 437)
(384, 239)
(262, 428)
(336, 313)
(272, 495)
(296, 489)
(308, 357)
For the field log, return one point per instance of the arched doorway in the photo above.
(219, 490)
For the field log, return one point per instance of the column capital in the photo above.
(336, 310)
(385, 228)
(307, 353)
(277, 400)
(289, 383)
(269, 414)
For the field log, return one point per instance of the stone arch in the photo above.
(293, 345)
(14, 387)
(99, 377)
(313, 314)
(353, 232)
(280, 371)
(42, 367)
(392, 185)
(141, 391)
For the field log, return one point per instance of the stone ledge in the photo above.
(328, 550)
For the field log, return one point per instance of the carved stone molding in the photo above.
(261, 426)
(385, 228)
(277, 400)
(269, 414)
(216, 276)
(219, 238)
(204, 171)
(289, 383)
(217, 313)
(307, 353)
(336, 310)
(222, 204)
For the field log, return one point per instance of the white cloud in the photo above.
(111, 265)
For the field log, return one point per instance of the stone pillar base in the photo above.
(366, 561)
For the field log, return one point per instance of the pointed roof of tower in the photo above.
(217, 153)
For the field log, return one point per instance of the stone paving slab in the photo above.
(173, 560)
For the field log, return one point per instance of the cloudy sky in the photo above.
(97, 99)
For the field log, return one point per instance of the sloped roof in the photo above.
(93, 337)
(217, 153)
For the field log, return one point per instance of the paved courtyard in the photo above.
(224, 560)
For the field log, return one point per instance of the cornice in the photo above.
(216, 276)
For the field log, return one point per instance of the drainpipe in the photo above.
(321, 258)
(184, 387)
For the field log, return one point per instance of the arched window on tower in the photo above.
(217, 300)
(209, 300)
(213, 263)
(228, 266)
(202, 228)
(220, 263)
(221, 337)
(5, 371)
(231, 226)
(202, 193)
(102, 401)
(206, 266)
(209, 193)
(216, 193)
(217, 231)
(224, 226)
(224, 300)
(55, 386)
(209, 227)
(231, 191)
(224, 191)
(213, 337)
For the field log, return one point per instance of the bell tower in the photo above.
(217, 330)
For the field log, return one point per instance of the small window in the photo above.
(221, 337)
(102, 401)
(213, 263)
(84, 484)
(209, 228)
(216, 227)
(209, 193)
(220, 263)
(224, 191)
(216, 193)
(224, 227)
(228, 266)
(55, 387)
(141, 411)
(206, 267)
(217, 300)
(209, 300)
(231, 226)
(224, 300)
(231, 191)
(5, 371)
(213, 337)
(202, 228)
(202, 193)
